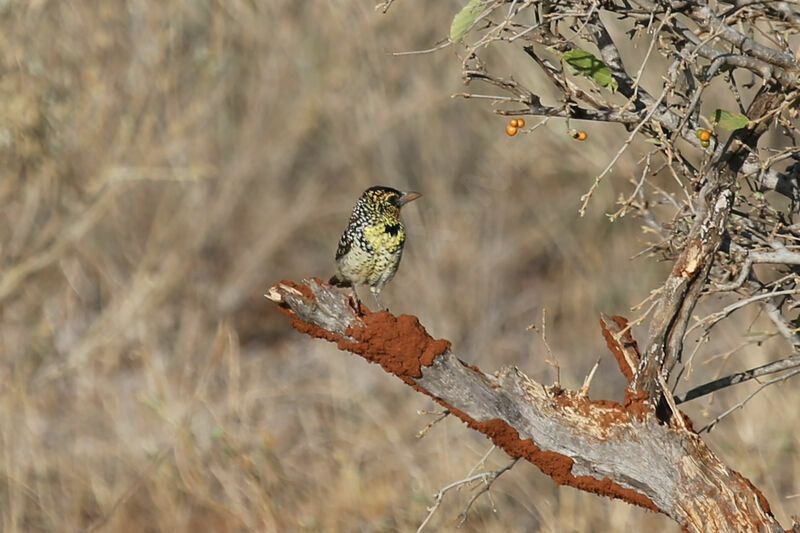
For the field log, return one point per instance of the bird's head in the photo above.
(387, 200)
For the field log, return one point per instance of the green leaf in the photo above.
(465, 18)
(586, 64)
(728, 120)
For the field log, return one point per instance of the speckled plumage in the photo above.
(371, 246)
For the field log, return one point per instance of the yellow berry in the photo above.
(705, 144)
(703, 135)
(514, 123)
(511, 130)
(579, 135)
(520, 122)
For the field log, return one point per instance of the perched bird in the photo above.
(372, 243)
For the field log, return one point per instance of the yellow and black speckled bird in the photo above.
(371, 246)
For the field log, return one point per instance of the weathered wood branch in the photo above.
(616, 450)
(689, 274)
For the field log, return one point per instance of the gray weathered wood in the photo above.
(617, 450)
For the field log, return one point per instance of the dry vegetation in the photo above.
(164, 162)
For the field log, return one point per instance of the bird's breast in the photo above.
(385, 237)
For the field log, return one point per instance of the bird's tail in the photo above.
(338, 281)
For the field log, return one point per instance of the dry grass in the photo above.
(164, 162)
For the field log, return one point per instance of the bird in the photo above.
(371, 245)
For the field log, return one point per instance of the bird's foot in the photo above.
(379, 305)
(355, 303)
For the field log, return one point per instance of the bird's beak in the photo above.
(407, 197)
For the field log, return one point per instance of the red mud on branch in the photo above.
(553, 464)
(637, 403)
(618, 347)
(402, 346)
(399, 344)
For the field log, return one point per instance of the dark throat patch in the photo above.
(393, 229)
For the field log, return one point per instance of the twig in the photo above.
(462, 517)
(441, 416)
(494, 97)
(653, 41)
(787, 363)
(714, 318)
(780, 256)
(486, 477)
(553, 361)
(708, 427)
(482, 460)
(384, 6)
(584, 390)
(784, 328)
(627, 202)
(524, 32)
(706, 17)
(587, 196)
(436, 48)
(531, 100)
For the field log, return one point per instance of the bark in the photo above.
(689, 274)
(617, 450)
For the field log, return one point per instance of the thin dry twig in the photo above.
(711, 320)
(584, 390)
(553, 359)
(487, 478)
(787, 363)
(487, 484)
(708, 427)
(440, 415)
(588, 195)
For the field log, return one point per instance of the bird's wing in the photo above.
(344, 247)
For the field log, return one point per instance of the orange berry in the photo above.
(514, 123)
(703, 135)
(580, 135)
(520, 122)
(511, 130)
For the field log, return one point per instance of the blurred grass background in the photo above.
(165, 162)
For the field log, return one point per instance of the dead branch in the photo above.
(486, 478)
(690, 272)
(738, 405)
(617, 450)
(793, 361)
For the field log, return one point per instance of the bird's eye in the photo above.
(392, 199)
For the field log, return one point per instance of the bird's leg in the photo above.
(376, 293)
(356, 300)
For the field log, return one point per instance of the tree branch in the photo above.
(616, 450)
(710, 425)
(705, 17)
(690, 272)
(535, 107)
(787, 363)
